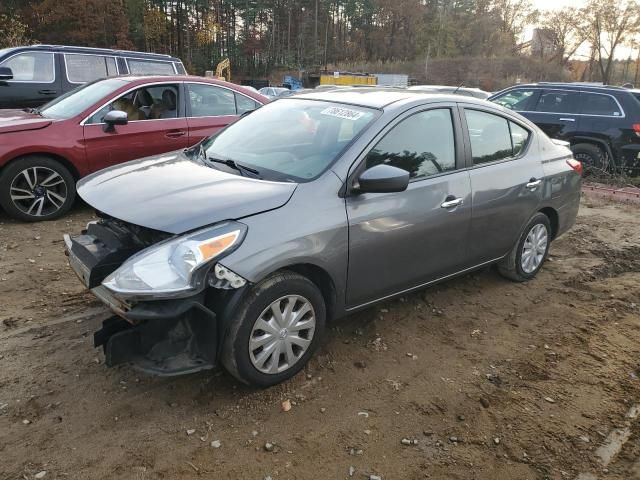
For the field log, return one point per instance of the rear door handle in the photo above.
(533, 184)
(176, 133)
(452, 203)
(47, 92)
(567, 119)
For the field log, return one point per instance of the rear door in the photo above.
(210, 108)
(156, 125)
(602, 117)
(398, 241)
(81, 68)
(557, 112)
(36, 80)
(507, 181)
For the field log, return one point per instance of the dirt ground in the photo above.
(492, 379)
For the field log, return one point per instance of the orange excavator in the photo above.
(223, 70)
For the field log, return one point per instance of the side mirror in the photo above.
(113, 118)
(383, 179)
(5, 73)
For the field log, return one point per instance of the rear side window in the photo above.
(494, 137)
(245, 104)
(558, 101)
(211, 101)
(31, 67)
(422, 144)
(87, 68)
(518, 100)
(149, 67)
(599, 104)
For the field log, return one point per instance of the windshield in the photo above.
(79, 99)
(291, 139)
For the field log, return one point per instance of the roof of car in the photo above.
(571, 85)
(377, 97)
(98, 51)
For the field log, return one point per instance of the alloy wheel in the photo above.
(534, 248)
(282, 334)
(38, 191)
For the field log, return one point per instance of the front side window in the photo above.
(558, 101)
(519, 100)
(211, 101)
(148, 67)
(422, 144)
(494, 137)
(291, 139)
(87, 68)
(31, 67)
(144, 103)
(599, 104)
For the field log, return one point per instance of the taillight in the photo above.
(636, 127)
(575, 165)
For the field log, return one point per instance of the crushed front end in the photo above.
(162, 289)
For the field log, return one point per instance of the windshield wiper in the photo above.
(235, 165)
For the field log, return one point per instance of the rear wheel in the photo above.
(530, 251)
(36, 188)
(592, 157)
(275, 331)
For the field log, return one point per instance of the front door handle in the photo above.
(176, 133)
(533, 184)
(567, 119)
(47, 92)
(453, 202)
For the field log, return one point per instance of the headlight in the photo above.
(175, 266)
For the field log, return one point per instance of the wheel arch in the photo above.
(554, 219)
(597, 142)
(321, 278)
(54, 156)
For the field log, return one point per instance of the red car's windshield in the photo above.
(79, 99)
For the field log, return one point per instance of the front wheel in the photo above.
(275, 330)
(36, 188)
(530, 251)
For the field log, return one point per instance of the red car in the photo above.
(44, 152)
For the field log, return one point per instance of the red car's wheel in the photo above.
(36, 188)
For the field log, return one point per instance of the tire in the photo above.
(512, 266)
(36, 188)
(592, 157)
(281, 289)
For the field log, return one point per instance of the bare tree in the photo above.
(566, 30)
(612, 23)
(13, 32)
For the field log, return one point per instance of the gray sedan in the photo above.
(241, 249)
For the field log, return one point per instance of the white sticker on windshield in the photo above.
(342, 112)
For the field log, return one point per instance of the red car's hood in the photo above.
(19, 120)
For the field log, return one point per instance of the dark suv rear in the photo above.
(602, 123)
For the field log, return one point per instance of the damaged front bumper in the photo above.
(160, 336)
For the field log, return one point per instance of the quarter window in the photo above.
(245, 104)
(422, 144)
(518, 100)
(598, 104)
(558, 101)
(147, 67)
(519, 138)
(211, 101)
(31, 67)
(86, 68)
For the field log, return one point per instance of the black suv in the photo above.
(602, 123)
(32, 76)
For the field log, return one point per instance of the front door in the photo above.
(507, 181)
(156, 125)
(402, 240)
(36, 80)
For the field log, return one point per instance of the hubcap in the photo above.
(282, 334)
(534, 248)
(38, 191)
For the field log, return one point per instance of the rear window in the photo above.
(87, 68)
(599, 104)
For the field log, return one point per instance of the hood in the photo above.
(174, 193)
(19, 120)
